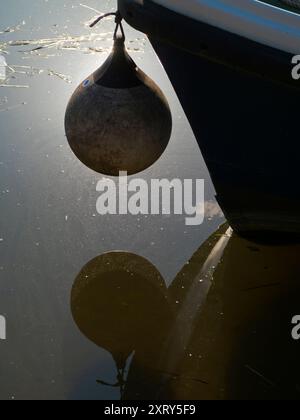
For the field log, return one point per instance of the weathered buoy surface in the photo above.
(118, 119)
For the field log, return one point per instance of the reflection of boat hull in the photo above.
(242, 331)
(242, 103)
(222, 330)
(231, 337)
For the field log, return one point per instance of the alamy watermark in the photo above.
(2, 327)
(3, 67)
(158, 197)
(296, 327)
(296, 68)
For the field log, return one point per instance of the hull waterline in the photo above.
(242, 103)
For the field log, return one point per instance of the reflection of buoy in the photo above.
(118, 119)
(118, 299)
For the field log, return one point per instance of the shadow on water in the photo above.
(222, 329)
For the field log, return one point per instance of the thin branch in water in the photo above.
(90, 8)
(15, 86)
(261, 376)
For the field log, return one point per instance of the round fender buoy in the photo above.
(118, 119)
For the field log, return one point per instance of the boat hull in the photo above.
(242, 104)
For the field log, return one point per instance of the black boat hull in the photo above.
(242, 104)
(247, 132)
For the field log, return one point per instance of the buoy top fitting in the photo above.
(118, 119)
(119, 71)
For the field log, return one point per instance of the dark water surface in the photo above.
(178, 312)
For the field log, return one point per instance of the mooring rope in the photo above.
(118, 21)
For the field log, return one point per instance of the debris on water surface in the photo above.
(261, 376)
(91, 8)
(14, 86)
(11, 108)
(16, 76)
(66, 41)
(63, 42)
(13, 28)
(98, 13)
(14, 70)
(59, 43)
(60, 76)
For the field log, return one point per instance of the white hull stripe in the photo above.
(253, 19)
